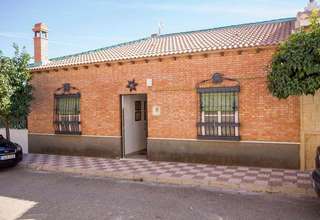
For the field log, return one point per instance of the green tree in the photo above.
(295, 68)
(15, 88)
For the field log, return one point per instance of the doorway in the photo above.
(134, 126)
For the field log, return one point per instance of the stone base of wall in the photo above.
(109, 147)
(259, 154)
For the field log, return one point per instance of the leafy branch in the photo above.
(295, 68)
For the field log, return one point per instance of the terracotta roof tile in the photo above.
(238, 36)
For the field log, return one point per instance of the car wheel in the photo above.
(14, 164)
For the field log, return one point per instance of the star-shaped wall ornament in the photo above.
(132, 85)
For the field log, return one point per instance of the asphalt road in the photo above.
(42, 195)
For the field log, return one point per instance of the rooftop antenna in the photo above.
(160, 27)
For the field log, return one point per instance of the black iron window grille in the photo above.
(218, 116)
(137, 106)
(67, 111)
(145, 111)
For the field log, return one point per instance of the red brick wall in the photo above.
(262, 116)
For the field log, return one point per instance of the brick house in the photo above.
(198, 96)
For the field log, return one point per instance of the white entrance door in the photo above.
(134, 123)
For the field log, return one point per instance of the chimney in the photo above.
(304, 16)
(40, 43)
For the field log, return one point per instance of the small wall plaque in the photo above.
(156, 110)
(149, 82)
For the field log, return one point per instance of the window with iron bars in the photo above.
(218, 117)
(67, 114)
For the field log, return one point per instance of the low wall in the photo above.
(75, 145)
(19, 136)
(258, 154)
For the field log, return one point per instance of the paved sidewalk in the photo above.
(291, 182)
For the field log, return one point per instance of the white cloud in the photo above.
(14, 35)
(24, 36)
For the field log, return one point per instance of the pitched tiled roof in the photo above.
(259, 34)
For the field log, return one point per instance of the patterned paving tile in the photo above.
(235, 175)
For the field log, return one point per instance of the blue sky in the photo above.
(79, 25)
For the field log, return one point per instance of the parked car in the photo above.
(316, 173)
(10, 153)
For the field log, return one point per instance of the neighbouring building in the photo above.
(198, 96)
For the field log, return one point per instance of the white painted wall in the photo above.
(19, 136)
(134, 131)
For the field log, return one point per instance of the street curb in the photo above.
(287, 190)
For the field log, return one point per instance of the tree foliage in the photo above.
(15, 88)
(295, 68)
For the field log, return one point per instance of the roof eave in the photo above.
(270, 46)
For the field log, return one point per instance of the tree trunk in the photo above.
(7, 130)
